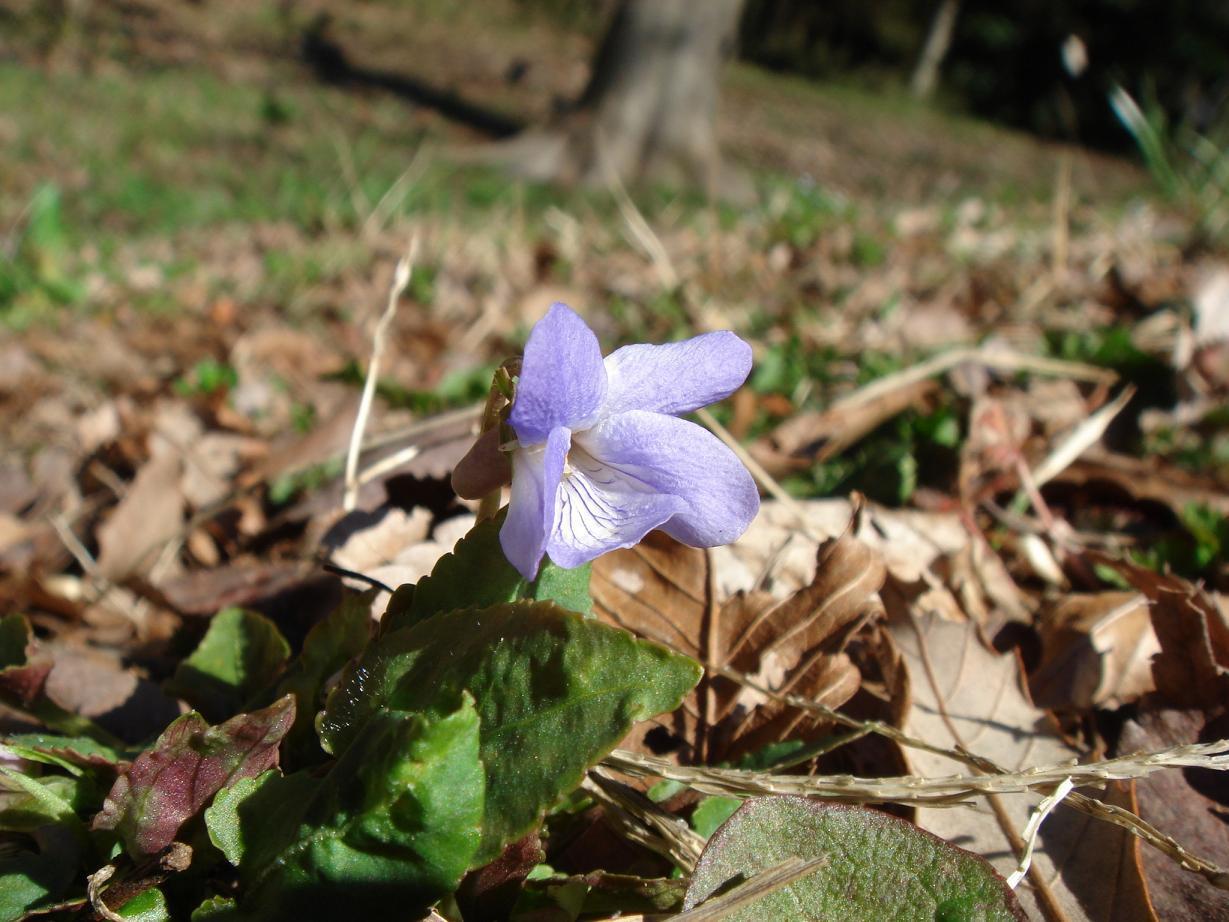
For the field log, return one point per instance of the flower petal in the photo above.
(677, 458)
(562, 381)
(677, 377)
(536, 473)
(600, 509)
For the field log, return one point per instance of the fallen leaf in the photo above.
(966, 695)
(362, 541)
(149, 515)
(805, 438)
(1097, 651)
(660, 590)
(1145, 479)
(774, 554)
(1192, 668)
(1190, 805)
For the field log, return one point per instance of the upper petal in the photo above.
(536, 473)
(674, 457)
(676, 377)
(562, 381)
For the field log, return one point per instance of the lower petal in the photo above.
(600, 509)
(536, 473)
(673, 457)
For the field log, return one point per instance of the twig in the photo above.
(1042, 810)
(401, 279)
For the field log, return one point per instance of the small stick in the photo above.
(401, 280)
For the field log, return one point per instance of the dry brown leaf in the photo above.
(149, 515)
(1146, 479)
(1190, 804)
(1192, 668)
(205, 592)
(967, 695)
(362, 541)
(1097, 651)
(805, 438)
(774, 554)
(662, 590)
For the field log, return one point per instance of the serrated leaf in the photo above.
(396, 822)
(239, 653)
(329, 645)
(171, 782)
(476, 574)
(555, 693)
(877, 867)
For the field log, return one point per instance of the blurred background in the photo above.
(202, 202)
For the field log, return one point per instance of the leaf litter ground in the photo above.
(943, 355)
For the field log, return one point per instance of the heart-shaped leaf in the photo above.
(875, 866)
(555, 693)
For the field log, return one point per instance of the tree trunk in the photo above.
(938, 41)
(649, 110)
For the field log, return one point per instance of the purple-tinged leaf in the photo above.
(174, 780)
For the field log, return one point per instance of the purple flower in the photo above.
(601, 457)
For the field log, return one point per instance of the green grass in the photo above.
(161, 151)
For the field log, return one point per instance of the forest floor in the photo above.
(1012, 349)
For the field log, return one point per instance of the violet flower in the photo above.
(601, 458)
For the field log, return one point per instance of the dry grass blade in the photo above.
(750, 891)
(401, 280)
(1044, 809)
(911, 789)
(645, 823)
(1080, 439)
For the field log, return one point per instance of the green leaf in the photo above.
(599, 894)
(71, 753)
(395, 822)
(216, 909)
(147, 906)
(711, 812)
(476, 574)
(235, 659)
(566, 588)
(28, 879)
(329, 645)
(555, 692)
(878, 867)
(172, 782)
